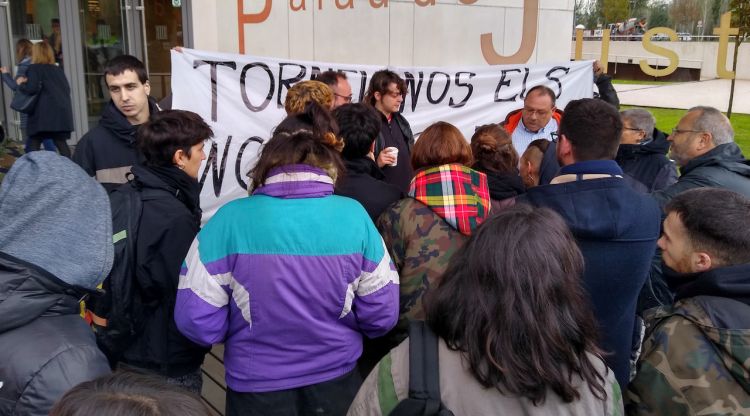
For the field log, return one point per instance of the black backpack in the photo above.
(424, 380)
(119, 314)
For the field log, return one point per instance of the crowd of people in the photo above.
(557, 258)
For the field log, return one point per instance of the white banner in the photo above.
(242, 98)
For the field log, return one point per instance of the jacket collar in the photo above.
(364, 165)
(589, 169)
(28, 291)
(296, 181)
(730, 282)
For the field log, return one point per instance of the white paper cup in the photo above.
(393, 151)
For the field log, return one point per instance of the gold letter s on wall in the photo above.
(528, 39)
(243, 19)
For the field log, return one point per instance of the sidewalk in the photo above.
(714, 93)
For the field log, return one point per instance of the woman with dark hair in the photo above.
(172, 143)
(290, 279)
(23, 60)
(126, 393)
(515, 333)
(495, 156)
(52, 115)
(447, 201)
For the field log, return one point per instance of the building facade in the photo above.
(433, 33)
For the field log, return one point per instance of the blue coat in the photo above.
(53, 112)
(616, 229)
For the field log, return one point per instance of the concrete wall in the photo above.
(701, 55)
(403, 33)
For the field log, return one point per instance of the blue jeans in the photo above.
(47, 143)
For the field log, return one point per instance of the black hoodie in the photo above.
(108, 150)
(365, 182)
(646, 166)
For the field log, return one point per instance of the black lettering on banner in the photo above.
(523, 84)
(468, 85)
(214, 64)
(557, 80)
(445, 90)
(288, 82)
(243, 89)
(362, 86)
(218, 177)
(504, 82)
(238, 165)
(314, 72)
(413, 88)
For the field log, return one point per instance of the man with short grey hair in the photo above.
(704, 148)
(642, 152)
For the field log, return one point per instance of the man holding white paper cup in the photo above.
(393, 145)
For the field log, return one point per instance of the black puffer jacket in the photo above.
(646, 166)
(46, 348)
(722, 167)
(108, 150)
(170, 220)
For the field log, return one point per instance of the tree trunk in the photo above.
(737, 43)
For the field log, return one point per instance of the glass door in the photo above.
(103, 32)
(146, 30)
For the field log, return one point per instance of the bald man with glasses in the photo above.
(702, 145)
(538, 118)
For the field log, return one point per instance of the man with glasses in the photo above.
(536, 120)
(642, 152)
(342, 90)
(386, 93)
(703, 146)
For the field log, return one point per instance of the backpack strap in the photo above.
(424, 373)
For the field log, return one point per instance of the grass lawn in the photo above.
(667, 118)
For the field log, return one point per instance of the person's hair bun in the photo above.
(331, 140)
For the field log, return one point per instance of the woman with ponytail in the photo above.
(495, 156)
(290, 279)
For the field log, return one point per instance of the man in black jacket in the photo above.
(642, 154)
(386, 93)
(359, 126)
(108, 151)
(55, 248)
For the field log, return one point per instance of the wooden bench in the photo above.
(214, 384)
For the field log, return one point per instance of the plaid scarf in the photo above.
(456, 193)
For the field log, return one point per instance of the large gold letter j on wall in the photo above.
(244, 19)
(528, 39)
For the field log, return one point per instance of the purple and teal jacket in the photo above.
(289, 279)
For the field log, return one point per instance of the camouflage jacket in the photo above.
(692, 365)
(421, 244)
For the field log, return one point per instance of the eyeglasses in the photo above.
(554, 136)
(347, 98)
(631, 129)
(676, 131)
(539, 113)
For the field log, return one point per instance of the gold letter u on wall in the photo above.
(528, 39)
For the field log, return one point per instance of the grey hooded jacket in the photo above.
(55, 246)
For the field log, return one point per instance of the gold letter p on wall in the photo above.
(528, 39)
